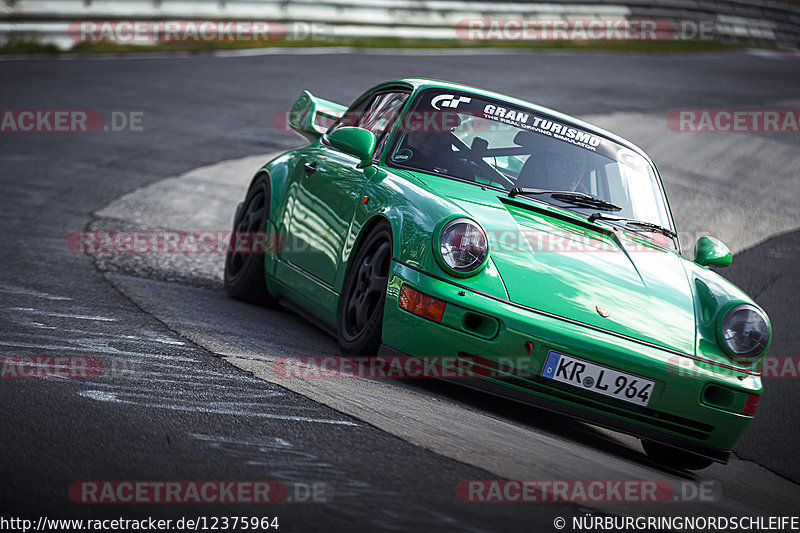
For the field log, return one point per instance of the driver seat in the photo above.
(533, 175)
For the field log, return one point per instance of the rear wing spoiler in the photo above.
(311, 116)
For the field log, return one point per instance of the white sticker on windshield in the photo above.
(449, 100)
(541, 125)
(632, 159)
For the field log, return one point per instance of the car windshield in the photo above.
(462, 136)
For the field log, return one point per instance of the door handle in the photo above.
(310, 167)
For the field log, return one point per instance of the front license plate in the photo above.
(598, 378)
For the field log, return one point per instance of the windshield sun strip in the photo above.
(412, 104)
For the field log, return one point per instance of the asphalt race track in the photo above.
(188, 390)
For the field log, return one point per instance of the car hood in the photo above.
(555, 262)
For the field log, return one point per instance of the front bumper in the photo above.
(692, 408)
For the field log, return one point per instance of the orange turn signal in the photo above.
(421, 304)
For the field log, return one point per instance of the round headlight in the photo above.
(745, 331)
(463, 246)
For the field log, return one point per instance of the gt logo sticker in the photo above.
(449, 100)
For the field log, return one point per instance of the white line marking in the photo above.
(199, 378)
(33, 311)
(101, 396)
(148, 379)
(107, 350)
(156, 396)
(30, 292)
(111, 397)
(228, 440)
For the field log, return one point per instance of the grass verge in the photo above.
(28, 46)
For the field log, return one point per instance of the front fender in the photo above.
(713, 296)
(413, 211)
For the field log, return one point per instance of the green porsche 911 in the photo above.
(431, 219)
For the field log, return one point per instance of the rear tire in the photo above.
(673, 457)
(364, 294)
(244, 270)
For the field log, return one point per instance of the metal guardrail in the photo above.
(753, 21)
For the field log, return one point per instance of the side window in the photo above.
(381, 113)
(351, 117)
(377, 116)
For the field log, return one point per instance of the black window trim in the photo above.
(366, 100)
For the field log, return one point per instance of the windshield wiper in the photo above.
(634, 222)
(570, 197)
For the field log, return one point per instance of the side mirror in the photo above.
(357, 142)
(711, 252)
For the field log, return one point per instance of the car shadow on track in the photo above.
(541, 420)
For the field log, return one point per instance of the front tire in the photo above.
(244, 268)
(364, 294)
(673, 457)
